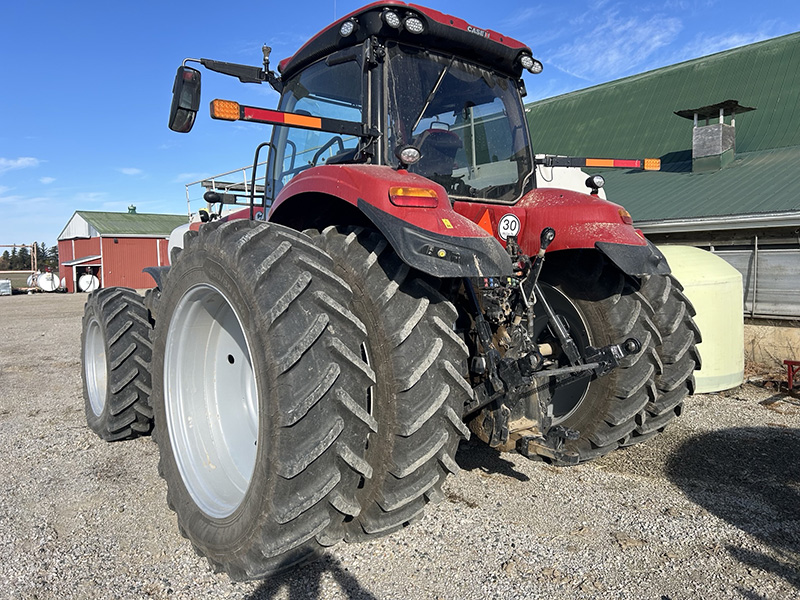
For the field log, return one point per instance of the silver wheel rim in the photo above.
(96, 366)
(211, 400)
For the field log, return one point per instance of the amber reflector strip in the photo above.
(225, 110)
(652, 164)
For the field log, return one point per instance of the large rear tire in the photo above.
(260, 398)
(420, 389)
(677, 352)
(116, 356)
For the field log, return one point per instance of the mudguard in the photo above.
(581, 221)
(635, 260)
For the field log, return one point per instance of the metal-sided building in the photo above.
(727, 130)
(114, 247)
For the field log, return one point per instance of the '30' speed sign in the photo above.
(508, 225)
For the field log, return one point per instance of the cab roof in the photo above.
(441, 32)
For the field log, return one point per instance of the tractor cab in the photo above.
(394, 85)
(457, 123)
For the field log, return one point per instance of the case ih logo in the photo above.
(476, 31)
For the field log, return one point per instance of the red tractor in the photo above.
(311, 361)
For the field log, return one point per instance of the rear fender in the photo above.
(435, 240)
(581, 221)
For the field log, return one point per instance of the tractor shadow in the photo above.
(476, 455)
(750, 477)
(307, 582)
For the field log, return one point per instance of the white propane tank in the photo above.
(31, 281)
(714, 287)
(88, 283)
(63, 284)
(47, 282)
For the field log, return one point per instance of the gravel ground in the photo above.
(710, 509)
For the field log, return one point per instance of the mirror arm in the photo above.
(245, 73)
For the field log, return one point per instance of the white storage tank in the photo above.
(715, 289)
(47, 282)
(88, 283)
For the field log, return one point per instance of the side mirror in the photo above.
(185, 99)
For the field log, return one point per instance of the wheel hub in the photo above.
(211, 400)
(96, 366)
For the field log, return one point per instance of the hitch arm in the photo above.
(567, 343)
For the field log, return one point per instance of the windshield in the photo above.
(467, 122)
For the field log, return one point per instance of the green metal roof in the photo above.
(112, 223)
(634, 118)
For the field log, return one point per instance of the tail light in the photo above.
(414, 197)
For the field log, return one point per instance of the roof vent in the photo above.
(131, 210)
(713, 144)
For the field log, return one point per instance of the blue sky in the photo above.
(86, 85)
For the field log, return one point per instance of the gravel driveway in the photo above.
(710, 509)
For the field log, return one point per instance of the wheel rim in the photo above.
(96, 366)
(211, 400)
(567, 398)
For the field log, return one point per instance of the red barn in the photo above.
(114, 247)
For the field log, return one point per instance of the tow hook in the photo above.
(551, 446)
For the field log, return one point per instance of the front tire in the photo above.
(260, 405)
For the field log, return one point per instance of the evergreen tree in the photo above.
(52, 257)
(23, 260)
(5, 261)
(41, 256)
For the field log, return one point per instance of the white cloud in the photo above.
(185, 178)
(519, 18)
(24, 162)
(83, 198)
(24, 204)
(616, 45)
(704, 45)
(46, 180)
(130, 171)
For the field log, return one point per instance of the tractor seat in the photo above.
(438, 148)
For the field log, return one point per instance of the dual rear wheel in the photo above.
(311, 392)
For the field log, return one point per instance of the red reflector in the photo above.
(275, 116)
(262, 114)
(413, 197)
(631, 164)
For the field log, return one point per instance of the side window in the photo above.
(306, 148)
(322, 90)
